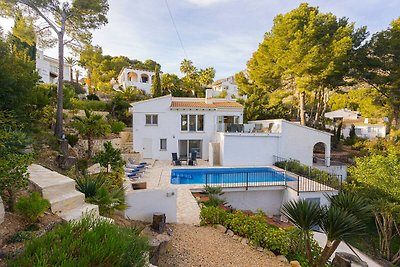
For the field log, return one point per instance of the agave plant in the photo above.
(90, 185)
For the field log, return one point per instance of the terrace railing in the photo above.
(247, 179)
(309, 179)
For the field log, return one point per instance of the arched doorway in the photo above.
(321, 154)
(132, 76)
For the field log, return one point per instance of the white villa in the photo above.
(227, 84)
(47, 68)
(342, 114)
(363, 127)
(213, 127)
(141, 79)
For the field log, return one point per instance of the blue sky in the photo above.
(215, 33)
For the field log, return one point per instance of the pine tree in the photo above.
(156, 86)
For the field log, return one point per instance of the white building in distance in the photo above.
(47, 67)
(213, 127)
(141, 79)
(227, 84)
(363, 127)
(341, 114)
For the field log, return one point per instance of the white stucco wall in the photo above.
(45, 65)
(143, 203)
(297, 142)
(369, 131)
(169, 127)
(320, 195)
(248, 149)
(269, 201)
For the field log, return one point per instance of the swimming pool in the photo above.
(227, 176)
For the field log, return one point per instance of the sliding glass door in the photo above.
(187, 146)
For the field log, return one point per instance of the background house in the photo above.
(363, 127)
(227, 84)
(141, 79)
(342, 114)
(47, 67)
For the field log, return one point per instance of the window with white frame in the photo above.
(163, 144)
(192, 123)
(151, 119)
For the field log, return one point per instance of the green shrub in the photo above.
(255, 228)
(214, 199)
(32, 206)
(20, 236)
(89, 185)
(88, 104)
(309, 172)
(72, 139)
(89, 242)
(213, 215)
(117, 126)
(93, 97)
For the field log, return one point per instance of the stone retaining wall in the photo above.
(82, 145)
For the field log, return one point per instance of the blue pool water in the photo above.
(224, 176)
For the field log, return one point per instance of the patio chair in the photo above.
(128, 165)
(132, 161)
(175, 160)
(193, 158)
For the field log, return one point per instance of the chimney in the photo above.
(209, 95)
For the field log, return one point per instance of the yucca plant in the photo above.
(343, 218)
(305, 215)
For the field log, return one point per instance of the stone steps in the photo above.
(65, 200)
(188, 211)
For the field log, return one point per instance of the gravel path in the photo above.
(207, 246)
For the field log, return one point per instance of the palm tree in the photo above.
(72, 62)
(344, 217)
(91, 126)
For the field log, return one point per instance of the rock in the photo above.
(163, 237)
(282, 258)
(235, 237)
(230, 233)
(260, 249)
(343, 259)
(244, 241)
(2, 212)
(269, 253)
(157, 248)
(295, 264)
(220, 228)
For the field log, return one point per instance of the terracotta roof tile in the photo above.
(195, 104)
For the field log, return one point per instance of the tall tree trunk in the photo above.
(60, 94)
(319, 107)
(71, 74)
(328, 250)
(90, 146)
(302, 108)
(11, 199)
